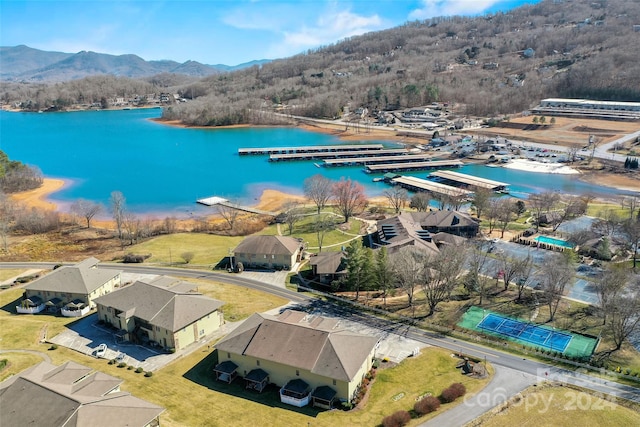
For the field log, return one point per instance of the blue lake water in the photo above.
(163, 169)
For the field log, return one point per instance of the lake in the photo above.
(163, 169)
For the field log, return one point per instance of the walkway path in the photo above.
(506, 383)
(42, 354)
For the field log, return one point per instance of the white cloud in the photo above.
(433, 8)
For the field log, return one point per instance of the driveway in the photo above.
(85, 335)
(274, 278)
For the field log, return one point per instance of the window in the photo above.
(334, 382)
(258, 362)
(201, 331)
(297, 373)
(273, 256)
(229, 357)
(265, 255)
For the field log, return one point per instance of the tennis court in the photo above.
(530, 334)
(534, 334)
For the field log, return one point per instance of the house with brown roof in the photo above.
(71, 395)
(271, 252)
(311, 358)
(71, 289)
(328, 266)
(164, 311)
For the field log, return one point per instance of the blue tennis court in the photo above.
(534, 334)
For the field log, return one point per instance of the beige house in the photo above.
(71, 289)
(71, 395)
(310, 357)
(164, 311)
(272, 252)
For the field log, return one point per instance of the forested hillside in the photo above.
(493, 65)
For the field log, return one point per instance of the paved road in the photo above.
(496, 357)
(505, 383)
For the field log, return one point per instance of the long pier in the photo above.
(372, 160)
(336, 154)
(309, 149)
(391, 167)
(213, 201)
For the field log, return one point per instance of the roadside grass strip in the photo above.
(530, 334)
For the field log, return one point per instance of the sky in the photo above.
(213, 32)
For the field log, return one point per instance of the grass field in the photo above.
(563, 406)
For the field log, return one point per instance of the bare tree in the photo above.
(397, 197)
(607, 223)
(632, 203)
(572, 206)
(609, 284)
(118, 209)
(349, 197)
(420, 201)
(506, 213)
(6, 216)
(475, 280)
(318, 189)
(408, 263)
(557, 275)
(480, 200)
(323, 225)
(228, 213)
(572, 153)
(440, 273)
(291, 214)
(187, 257)
(542, 202)
(86, 209)
(594, 142)
(624, 319)
(631, 229)
(131, 225)
(523, 275)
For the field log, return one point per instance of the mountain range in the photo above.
(23, 63)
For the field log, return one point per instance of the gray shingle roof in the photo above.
(67, 396)
(333, 353)
(159, 305)
(276, 245)
(81, 278)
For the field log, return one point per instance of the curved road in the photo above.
(543, 371)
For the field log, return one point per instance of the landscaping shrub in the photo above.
(129, 368)
(397, 419)
(139, 369)
(53, 347)
(453, 392)
(112, 362)
(148, 374)
(121, 365)
(3, 363)
(134, 259)
(426, 405)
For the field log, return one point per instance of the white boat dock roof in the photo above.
(378, 159)
(414, 165)
(420, 184)
(337, 154)
(471, 180)
(309, 149)
(211, 201)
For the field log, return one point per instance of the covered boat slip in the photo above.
(464, 180)
(434, 164)
(418, 184)
(309, 149)
(369, 160)
(338, 154)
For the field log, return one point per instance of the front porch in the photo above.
(256, 379)
(75, 308)
(296, 393)
(323, 397)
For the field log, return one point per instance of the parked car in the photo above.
(101, 350)
(120, 357)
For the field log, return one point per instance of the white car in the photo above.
(101, 350)
(120, 357)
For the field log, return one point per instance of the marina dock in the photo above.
(372, 160)
(467, 181)
(336, 154)
(392, 167)
(308, 149)
(214, 200)
(418, 184)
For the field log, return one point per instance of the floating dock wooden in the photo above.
(390, 167)
(373, 160)
(336, 154)
(309, 149)
(473, 182)
(418, 184)
(214, 200)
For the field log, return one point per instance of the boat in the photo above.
(378, 179)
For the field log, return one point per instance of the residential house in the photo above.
(164, 311)
(71, 395)
(271, 252)
(71, 289)
(327, 266)
(309, 357)
(452, 222)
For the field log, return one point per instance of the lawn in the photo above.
(563, 406)
(208, 249)
(8, 274)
